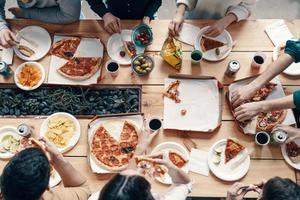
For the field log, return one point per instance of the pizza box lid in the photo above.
(99, 120)
(278, 92)
(88, 47)
(204, 107)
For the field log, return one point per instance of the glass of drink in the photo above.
(258, 60)
(155, 124)
(5, 70)
(262, 138)
(112, 68)
(196, 56)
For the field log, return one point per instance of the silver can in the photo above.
(279, 136)
(233, 67)
(24, 130)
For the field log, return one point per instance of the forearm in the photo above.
(3, 23)
(229, 18)
(70, 176)
(178, 176)
(273, 70)
(278, 104)
(181, 8)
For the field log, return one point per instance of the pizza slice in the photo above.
(172, 91)
(209, 44)
(80, 68)
(129, 48)
(233, 148)
(264, 92)
(293, 151)
(267, 121)
(65, 48)
(177, 158)
(149, 166)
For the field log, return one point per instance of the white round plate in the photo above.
(73, 141)
(286, 157)
(19, 69)
(165, 147)
(115, 45)
(5, 130)
(210, 55)
(36, 38)
(223, 171)
(293, 69)
(55, 179)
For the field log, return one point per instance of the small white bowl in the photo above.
(19, 69)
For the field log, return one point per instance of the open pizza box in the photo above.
(201, 97)
(113, 126)
(88, 47)
(278, 92)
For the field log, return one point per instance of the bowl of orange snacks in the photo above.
(29, 75)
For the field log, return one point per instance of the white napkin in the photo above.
(7, 56)
(278, 32)
(198, 162)
(188, 34)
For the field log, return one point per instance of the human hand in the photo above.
(291, 131)
(247, 111)
(112, 24)
(241, 95)
(146, 136)
(239, 190)
(54, 154)
(7, 38)
(215, 29)
(176, 24)
(17, 12)
(146, 20)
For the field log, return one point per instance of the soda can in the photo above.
(5, 70)
(24, 130)
(279, 136)
(232, 68)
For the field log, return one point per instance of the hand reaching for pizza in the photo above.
(112, 24)
(247, 111)
(241, 95)
(239, 190)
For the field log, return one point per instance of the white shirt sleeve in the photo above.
(243, 10)
(190, 4)
(177, 192)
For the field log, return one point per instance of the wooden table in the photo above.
(266, 162)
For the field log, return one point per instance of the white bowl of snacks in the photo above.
(29, 75)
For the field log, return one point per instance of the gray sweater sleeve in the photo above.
(3, 23)
(67, 11)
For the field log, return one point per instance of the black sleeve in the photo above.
(98, 7)
(152, 8)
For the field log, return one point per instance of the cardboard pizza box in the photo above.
(201, 97)
(136, 119)
(278, 92)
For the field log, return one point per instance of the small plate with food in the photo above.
(177, 154)
(10, 142)
(291, 153)
(214, 49)
(142, 64)
(228, 160)
(29, 75)
(142, 35)
(34, 43)
(62, 129)
(121, 48)
(294, 68)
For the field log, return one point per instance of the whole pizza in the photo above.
(76, 68)
(111, 154)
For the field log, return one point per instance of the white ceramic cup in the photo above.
(113, 73)
(258, 138)
(151, 126)
(257, 63)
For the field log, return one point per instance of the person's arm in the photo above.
(66, 12)
(152, 8)
(246, 92)
(249, 110)
(69, 175)
(243, 10)
(98, 7)
(3, 23)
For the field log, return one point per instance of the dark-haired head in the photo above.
(279, 189)
(26, 175)
(123, 187)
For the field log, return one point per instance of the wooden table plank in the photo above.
(203, 140)
(249, 33)
(203, 187)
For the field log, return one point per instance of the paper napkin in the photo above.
(188, 34)
(198, 162)
(278, 32)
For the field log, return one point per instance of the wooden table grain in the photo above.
(266, 162)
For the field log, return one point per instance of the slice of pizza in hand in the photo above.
(233, 148)
(129, 48)
(149, 166)
(207, 43)
(80, 68)
(65, 48)
(293, 151)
